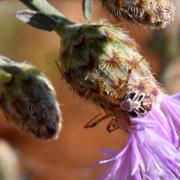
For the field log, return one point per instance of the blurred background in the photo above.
(72, 155)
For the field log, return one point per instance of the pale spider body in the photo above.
(136, 104)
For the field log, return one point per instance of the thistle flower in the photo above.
(153, 13)
(28, 99)
(102, 64)
(153, 147)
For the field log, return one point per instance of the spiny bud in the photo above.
(27, 99)
(153, 13)
(102, 64)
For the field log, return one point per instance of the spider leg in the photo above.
(94, 121)
(57, 65)
(121, 121)
(113, 125)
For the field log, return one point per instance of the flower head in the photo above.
(153, 147)
(28, 99)
(153, 13)
(102, 64)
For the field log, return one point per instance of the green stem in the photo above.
(46, 8)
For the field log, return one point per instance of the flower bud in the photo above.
(153, 13)
(27, 99)
(102, 64)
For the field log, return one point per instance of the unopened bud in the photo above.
(28, 99)
(103, 64)
(153, 13)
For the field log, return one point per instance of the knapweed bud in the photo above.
(102, 64)
(27, 99)
(153, 13)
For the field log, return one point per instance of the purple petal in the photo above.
(152, 151)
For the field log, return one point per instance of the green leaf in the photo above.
(87, 8)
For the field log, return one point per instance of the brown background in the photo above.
(71, 156)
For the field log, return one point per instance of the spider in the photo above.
(136, 104)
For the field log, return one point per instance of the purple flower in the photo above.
(153, 147)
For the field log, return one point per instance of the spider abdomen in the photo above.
(136, 104)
